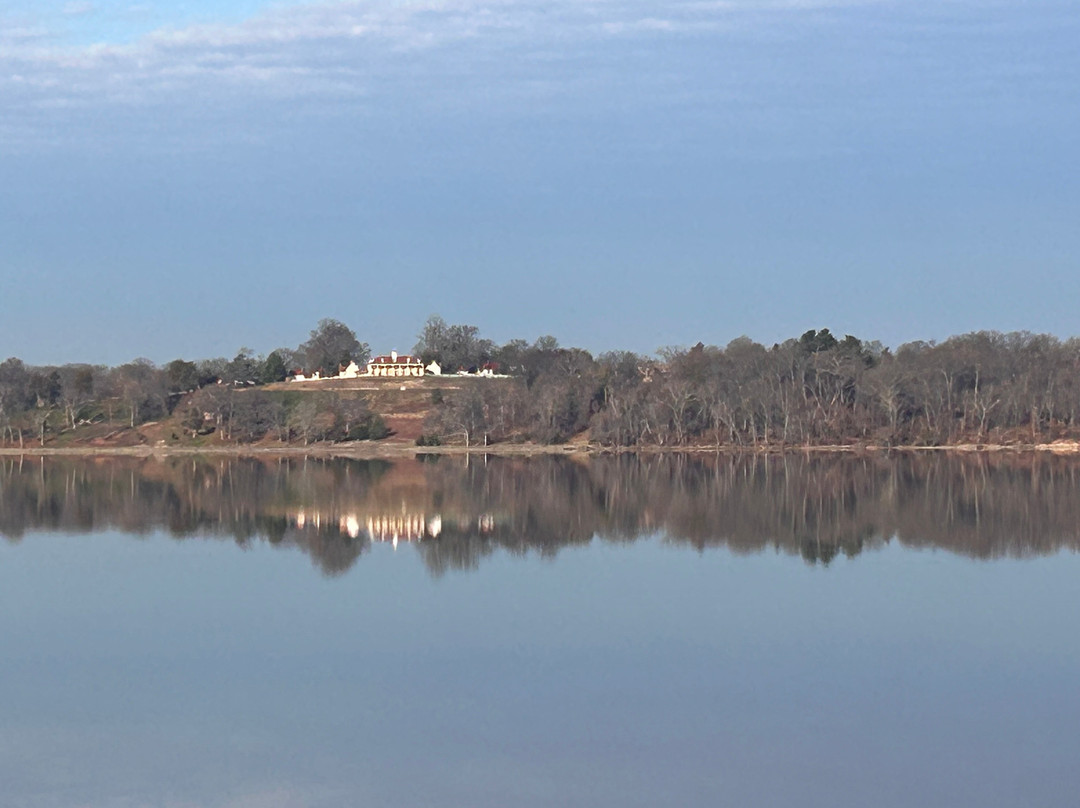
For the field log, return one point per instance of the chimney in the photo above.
(393, 356)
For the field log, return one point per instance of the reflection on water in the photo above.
(458, 511)
(208, 670)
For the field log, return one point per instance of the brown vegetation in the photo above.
(970, 392)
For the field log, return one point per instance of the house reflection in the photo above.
(390, 528)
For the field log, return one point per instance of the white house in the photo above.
(395, 365)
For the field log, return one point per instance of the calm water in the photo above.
(617, 632)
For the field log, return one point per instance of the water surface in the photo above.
(616, 632)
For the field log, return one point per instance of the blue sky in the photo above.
(182, 179)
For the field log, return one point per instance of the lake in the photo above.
(615, 631)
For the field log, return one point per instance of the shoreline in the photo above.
(366, 450)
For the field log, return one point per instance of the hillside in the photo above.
(400, 406)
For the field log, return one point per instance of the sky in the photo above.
(184, 179)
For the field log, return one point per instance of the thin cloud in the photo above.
(353, 51)
(79, 8)
(16, 36)
(287, 35)
(402, 26)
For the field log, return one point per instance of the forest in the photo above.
(816, 389)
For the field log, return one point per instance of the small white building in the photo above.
(350, 371)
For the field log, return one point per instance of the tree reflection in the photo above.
(458, 511)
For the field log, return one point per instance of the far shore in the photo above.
(372, 450)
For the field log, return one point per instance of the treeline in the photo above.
(202, 396)
(984, 387)
(817, 508)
